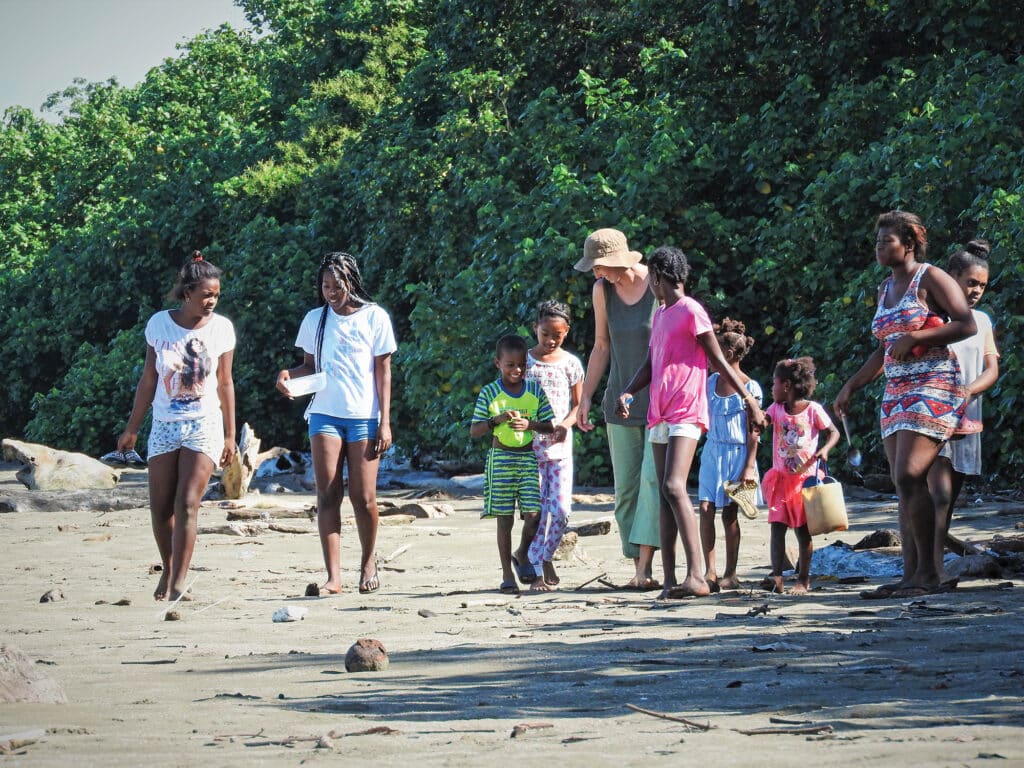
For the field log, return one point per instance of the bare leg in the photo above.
(644, 565)
(505, 548)
(778, 554)
(330, 490)
(803, 580)
(678, 458)
(163, 483)
(194, 470)
(362, 492)
(914, 456)
(707, 541)
(732, 547)
(669, 531)
(531, 523)
(940, 486)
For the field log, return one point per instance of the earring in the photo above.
(188, 299)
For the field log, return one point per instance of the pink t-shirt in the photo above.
(679, 367)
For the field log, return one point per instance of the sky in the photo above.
(45, 44)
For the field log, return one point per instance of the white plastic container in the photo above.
(306, 385)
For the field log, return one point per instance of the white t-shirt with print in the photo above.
(351, 342)
(186, 366)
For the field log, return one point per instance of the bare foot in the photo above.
(160, 593)
(800, 588)
(185, 597)
(729, 582)
(539, 585)
(327, 590)
(691, 587)
(778, 585)
(550, 576)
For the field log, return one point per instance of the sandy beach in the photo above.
(477, 677)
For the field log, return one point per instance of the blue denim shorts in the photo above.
(349, 430)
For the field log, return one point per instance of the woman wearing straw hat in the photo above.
(623, 308)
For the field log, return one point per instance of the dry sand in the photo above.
(931, 682)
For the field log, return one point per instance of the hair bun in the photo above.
(979, 248)
(197, 255)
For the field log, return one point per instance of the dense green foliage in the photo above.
(465, 149)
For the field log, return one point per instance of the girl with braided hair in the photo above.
(190, 349)
(350, 339)
(682, 344)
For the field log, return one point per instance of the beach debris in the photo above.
(366, 655)
(377, 730)
(674, 718)
(592, 528)
(124, 496)
(567, 547)
(419, 509)
(14, 743)
(885, 537)
(522, 728)
(397, 553)
(289, 613)
(268, 513)
(52, 595)
(797, 730)
(67, 527)
(590, 581)
(780, 645)
(426, 613)
(49, 469)
(172, 615)
(397, 519)
(239, 473)
(977, 566)
(21, 680)
(324, 742)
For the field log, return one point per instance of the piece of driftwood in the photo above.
(127, 496)
(239, 473)
(590, 581)
(275, 513)
(798, 730)
(522, 728)
(592, 528)
(673, 718)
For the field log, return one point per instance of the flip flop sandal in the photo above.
(527, 575)
(745, 496)
(509, 588)
(372, 584)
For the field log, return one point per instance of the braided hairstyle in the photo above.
(669, 263)
(974, 254)
(343, 268)
(908, 228)
(799, 372)
(195, 271)
(552, 308)
(732, 335)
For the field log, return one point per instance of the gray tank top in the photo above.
(629, 331)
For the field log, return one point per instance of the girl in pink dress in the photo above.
(797, 423)
(676, 369)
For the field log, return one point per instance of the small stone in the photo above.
(52, 596)
(366, 655)
(172, 616)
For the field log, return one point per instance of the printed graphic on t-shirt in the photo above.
(183, 367)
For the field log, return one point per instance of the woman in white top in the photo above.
(350, 339)
(979, 367)
(187, 380)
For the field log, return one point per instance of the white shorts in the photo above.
(660, 433)
(205, 435)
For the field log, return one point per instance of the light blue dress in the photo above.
(725, 450)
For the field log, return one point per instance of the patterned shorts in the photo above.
(205, 435)
(512, 478)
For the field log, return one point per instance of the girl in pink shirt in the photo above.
(676, 369)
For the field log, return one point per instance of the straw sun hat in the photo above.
(607, 248)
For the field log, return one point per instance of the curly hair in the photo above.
(908, 228)
(732, 335)
(974, 254)
(799, 372)
(195, 271)
(511, 343)
(669, 263)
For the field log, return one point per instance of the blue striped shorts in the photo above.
(511, 478)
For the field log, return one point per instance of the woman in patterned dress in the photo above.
(924, 401)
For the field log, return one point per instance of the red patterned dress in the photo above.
(923, 394)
